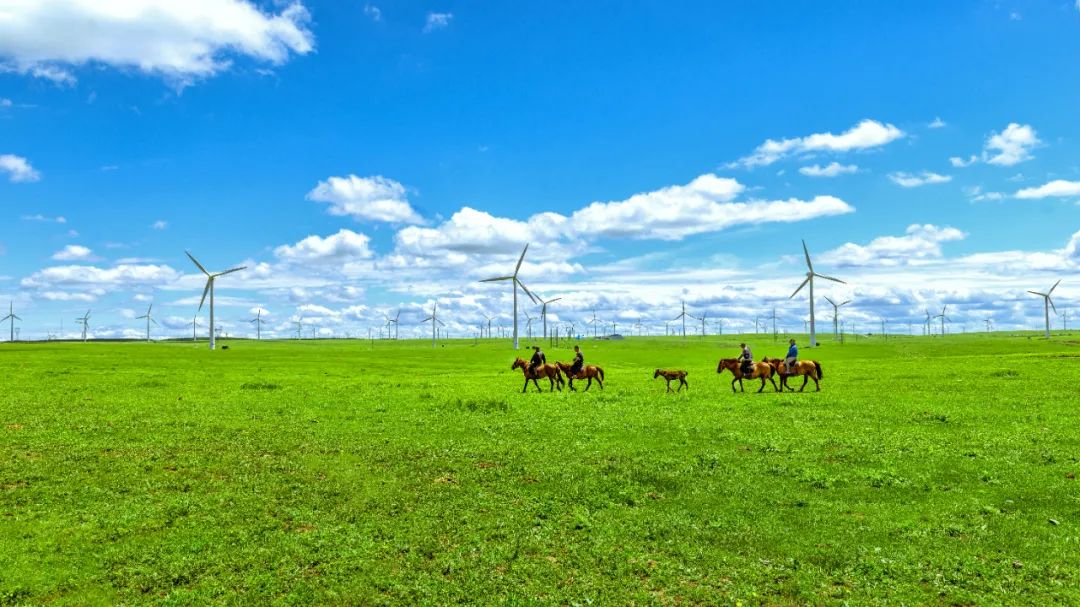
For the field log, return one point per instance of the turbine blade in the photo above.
(154, 321)
(520, 259)
(806, 252)
(1047, 299)
(1053, 287)
(527, 292)
(440, 322)
(196, 262)
(829, 278)
(205, 291)
(1037, 293)
(498, 279)
(800, 287)
(831, 302)
(556, 299)
(230, 271)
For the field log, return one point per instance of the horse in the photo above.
(760, 370)
(551, 372)
(809, 369)
(589, 372)
(670, 374)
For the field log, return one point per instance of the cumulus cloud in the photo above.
(1056, 188)
(181, 41)
(366, 198)
(342, 247)
(122, 275)
(865, 135)
(960, 163)
(937, 123)
(437, 21)
(910, 180)
(834, 169)
(66, 296)
(976, 194)
(160, 224)
(1011, 146)
(373, 12)
(73, 252)
(18, 169)
(919, 243)
(44, 218)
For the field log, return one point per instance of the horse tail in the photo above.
(817, 365)
(601, 372)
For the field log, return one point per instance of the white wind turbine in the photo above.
(149, 319)
(594, 322)
(836, 314)
(515, 283)
(258, 322)
(810, 274)
(528, 324)
(210, 278)
(683, 317)
(11, 317)
(1047, 304)
(85, 322)
(943, 318)
(543, 312)
(194, 327)
(435, 322)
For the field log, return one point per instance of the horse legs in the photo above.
(774, 383)
(551, 384)
(682, 382)
(733, 380)
(600, 381)
(817, 383)
(805, 380)
(526, 385)
(762, 388)
(669, 386)
(588, 385)
(537, 384)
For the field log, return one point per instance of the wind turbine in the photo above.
(1047, 304)
(85, 322)
(149, 319)
(928, 317)
(943, 318)
(515, 283)
(210, 278)
(810, 274)
(194, 326)
(593, 322)
(683, 317)
(435, 322)
(704, 315)
(488, 319)
(543, 312)
(836, 314)
(11, 317)
(528, 324)
(989, 323)
(258, 322)
(299, 322)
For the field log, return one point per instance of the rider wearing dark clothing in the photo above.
(579, 361)
(746, 357)
(538, 359)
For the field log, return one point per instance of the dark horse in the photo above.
(809, 369)
(759, 370)
(589, 372)
(551, 372)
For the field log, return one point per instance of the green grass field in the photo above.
(927, 471)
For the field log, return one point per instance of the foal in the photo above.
(670, 374)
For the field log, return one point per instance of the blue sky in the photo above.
(361, 157)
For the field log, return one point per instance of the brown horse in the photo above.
(809, 369)
(589, 372)
(670, 374)
(551, 372)
(761, 371)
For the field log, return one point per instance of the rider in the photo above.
(538, 359)
(579, 361)
(792, 357)
(747, 359)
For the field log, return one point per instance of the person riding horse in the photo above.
(579, 362)
(746, 357)
(792, 358)
(538, 359)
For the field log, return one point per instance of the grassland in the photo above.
(927, 471)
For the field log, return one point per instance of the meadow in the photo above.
(934, 471)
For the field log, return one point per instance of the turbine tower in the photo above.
(210, 278)
(943, 318)
(435, 322)
(682, 317)
(149, 319)
(11, 317)
(1047, 304)
(836, 314)
(543, 312)
(85, 322)
(194, 325)
(593, 322)
(258, 322)
(515, 283)
(528, 324)
(810, 274)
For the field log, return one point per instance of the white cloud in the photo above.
(960, 163)
(919, 243)
(976, 194)
(123, 275)
(18, 168)
(344, 246)
(373, 11)
(909, 180)
(39, 217)
(437, 21)
(366, 198)
(833, 169)
(73, 252)
(937, 123)
(181, 41)
(1011, 146)
(5, 102)
(1058, 187)
(865, 135)
(66, 296)
(160, 224)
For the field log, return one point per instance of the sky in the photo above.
(363, 159)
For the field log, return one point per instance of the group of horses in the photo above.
(554, 372)
(767, 369)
